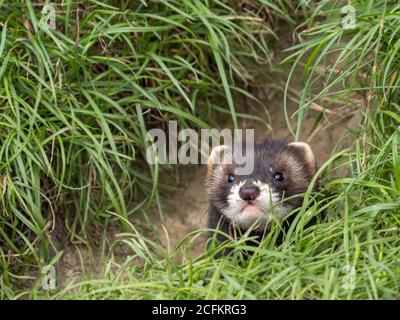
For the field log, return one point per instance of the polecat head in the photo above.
(281, 171)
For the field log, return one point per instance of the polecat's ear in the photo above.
(219, 156)
(306, 152)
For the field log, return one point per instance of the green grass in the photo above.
(74, 106)
(77, 101)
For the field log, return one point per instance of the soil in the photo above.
(187, 210)
(185, 201)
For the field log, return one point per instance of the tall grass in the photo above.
(86, 142)
(76, 102)
(358, 239)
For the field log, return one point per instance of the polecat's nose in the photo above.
(249, 193)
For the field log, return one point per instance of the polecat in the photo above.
(282, 172)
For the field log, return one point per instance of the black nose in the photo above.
(249, 193)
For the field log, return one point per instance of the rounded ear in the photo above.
(219, 156)
(307, 153)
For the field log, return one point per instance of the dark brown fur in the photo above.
(295, 162)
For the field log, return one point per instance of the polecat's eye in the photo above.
(231, 178)
(278, 176)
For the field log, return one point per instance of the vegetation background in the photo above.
(77, 100)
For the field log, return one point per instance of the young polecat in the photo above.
(281, 171)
